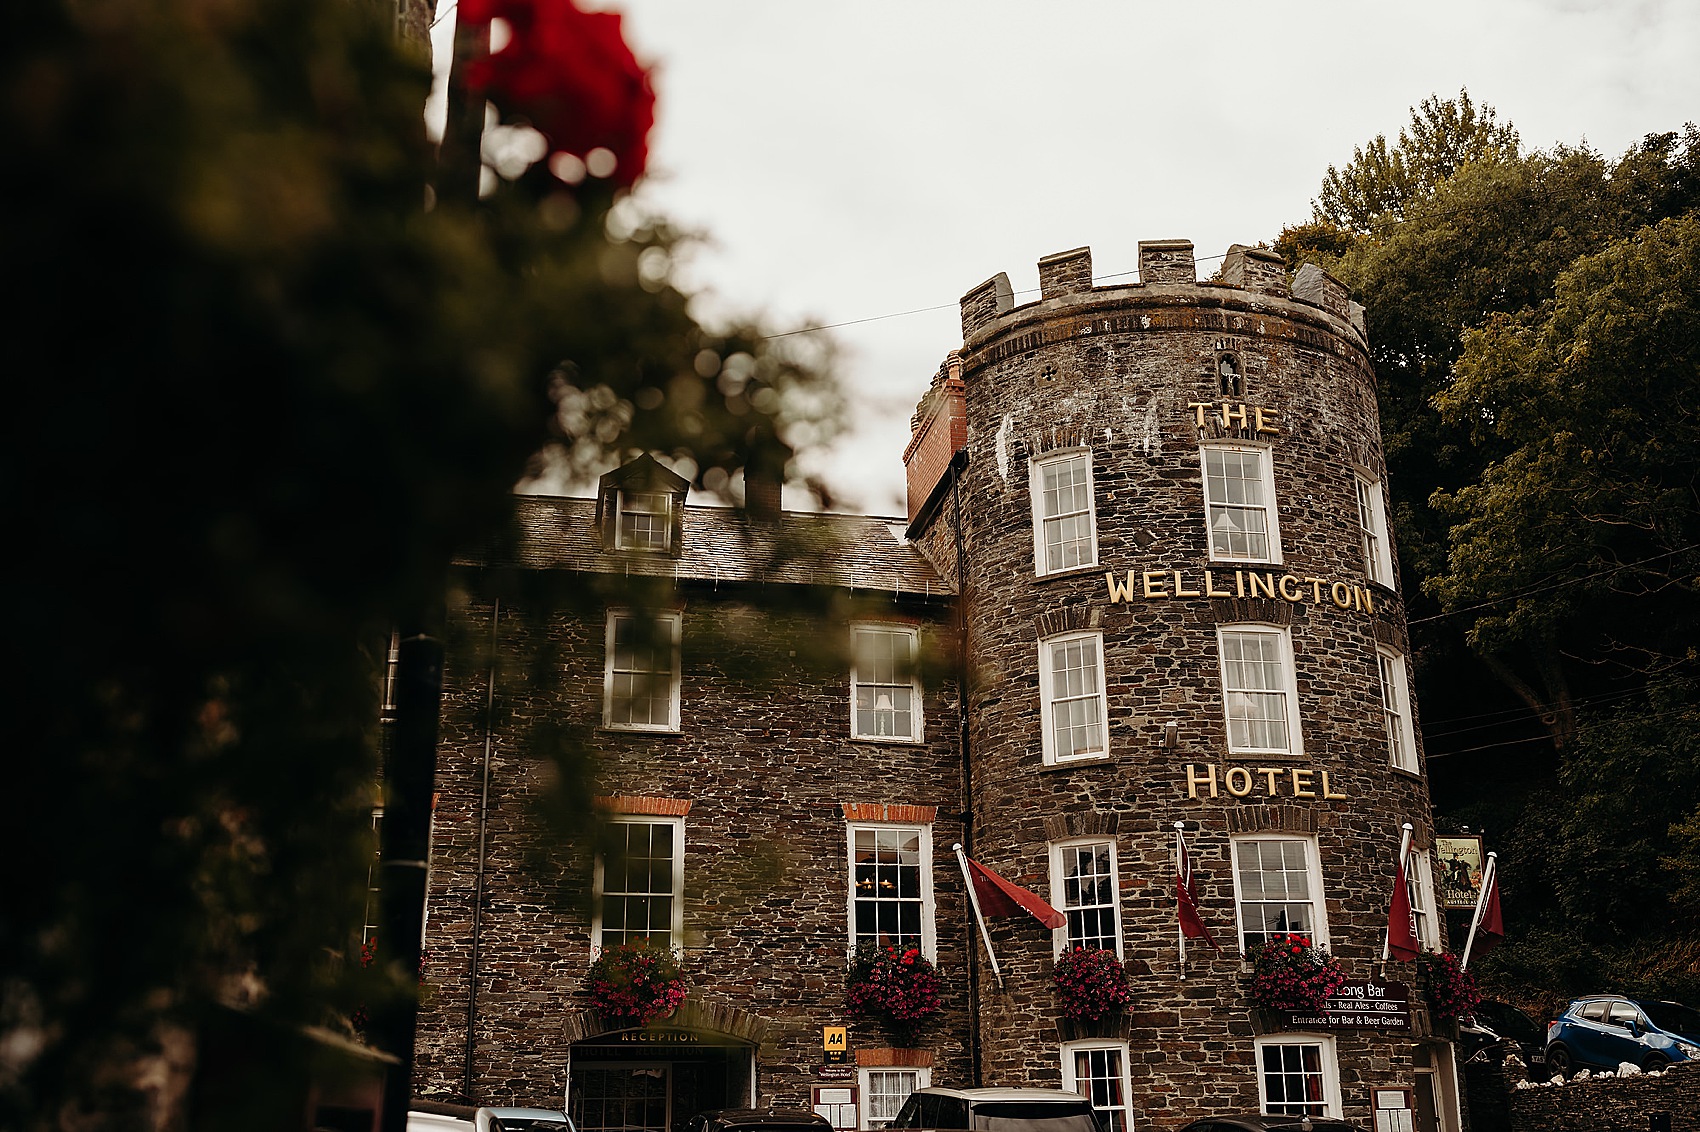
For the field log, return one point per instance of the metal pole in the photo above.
(1180, 929)
(1489, 875)
(974, 899)
(410, 770)
(1399, 877)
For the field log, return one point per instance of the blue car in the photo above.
(1604, 1030)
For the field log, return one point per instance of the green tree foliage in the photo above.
(261, 394)
(1383, 180)
(1489, 239)
(1532, 319)
(1583, 531)
(1593, 861)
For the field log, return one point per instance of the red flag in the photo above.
(998, 897)
(1401, 924)
(1186, 898)
(1491, 928)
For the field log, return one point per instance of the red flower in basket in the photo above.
(1091, 983)
(1291, 973)
(634, 983)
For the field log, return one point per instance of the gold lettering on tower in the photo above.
(1238, 781)
(1193, 781)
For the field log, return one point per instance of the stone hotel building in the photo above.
(1146, 578)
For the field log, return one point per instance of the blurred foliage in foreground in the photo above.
(1534, 319)
(261, 391)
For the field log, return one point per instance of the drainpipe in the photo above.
(478, 876)
(957, 463)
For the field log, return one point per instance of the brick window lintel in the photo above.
(883, 811)
(637, 805)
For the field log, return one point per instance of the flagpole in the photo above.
(1488, 877)
(974, 901)
(1180, 929)
(1404, 851)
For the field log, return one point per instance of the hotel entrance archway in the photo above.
(655, 1080)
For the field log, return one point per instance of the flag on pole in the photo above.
(1492, 928)
(1186, 896)
(1486, 924)
(996, 896)
(1401, 923)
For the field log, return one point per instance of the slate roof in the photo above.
(721, 544)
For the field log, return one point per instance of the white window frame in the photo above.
(1396, 710)
(923, 1076)
(917, 723)
(1272, 522)
(675, 622)
(1061, 939)
(1073, 1083)
(1329, 1064)
(1419, 886)
(623, 539)
(1372, 525)
(1036, 490)
(929, 940)
(1048, 700)
(676, 930)
(1289, 689)
(1318, 931)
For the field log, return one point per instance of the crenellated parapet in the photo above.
(1167, 270)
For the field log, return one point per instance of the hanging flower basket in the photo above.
(896, 985)
(1092, 984)
(1288, 972)
(634, 984)
(1451, 990)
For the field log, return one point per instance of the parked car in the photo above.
(1498, 1028)
(522, 1120)
(1602, 1031)
(758, 1120)
(436, 1122)
(998, 1110)
(1261, 1122)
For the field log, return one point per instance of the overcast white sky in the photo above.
(853, 161)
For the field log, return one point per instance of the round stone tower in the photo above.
(1181, 606)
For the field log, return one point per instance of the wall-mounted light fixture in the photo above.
(1171, 735)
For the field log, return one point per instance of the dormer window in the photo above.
(640, 508)
(646, 520)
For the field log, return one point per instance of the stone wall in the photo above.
(766, 768)
(1648, 1102)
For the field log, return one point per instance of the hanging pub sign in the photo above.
(1361, 1004)
(1458, 860)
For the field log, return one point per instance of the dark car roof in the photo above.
(1261, 1122)
(763, 1117)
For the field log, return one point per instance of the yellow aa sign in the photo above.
(835, 1040)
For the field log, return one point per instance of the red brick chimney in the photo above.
(938, 431)
(763, 488)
